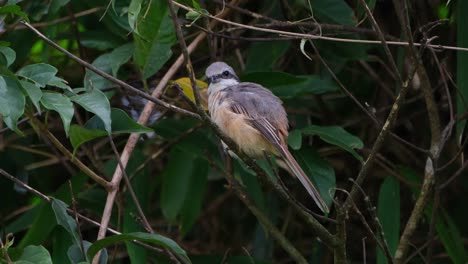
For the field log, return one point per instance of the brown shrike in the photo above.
(254, 118)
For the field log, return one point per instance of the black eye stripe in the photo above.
(223, 75)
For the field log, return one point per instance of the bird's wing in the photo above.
(262, 109)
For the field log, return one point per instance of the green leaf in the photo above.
(59, 82)
(388, 212)
(75, 255)
(55, 5)
(34, 255)
(39, 73)
(15, 10)
(61, 104)
(285, 85)
(262, 56)
(295, 139)
(109, 63)
(155, 37)
(133, 12)
(9, 53)
(154, 239)
(320, 172)
(12, 102)
(80, 135)
(120, 56)
(337, 136)
(120, 121)
(33, 91)
(250, 181)
(176, 182)
(451, 238)
(462, 66)
(65, 220)
(195, 194)
(333, 11)
(96, 102)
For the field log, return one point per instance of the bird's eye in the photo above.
(226, 73)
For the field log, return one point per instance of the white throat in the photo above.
(223, 83)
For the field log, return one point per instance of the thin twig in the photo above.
(318, 37)
(43, 129)
(146, 224)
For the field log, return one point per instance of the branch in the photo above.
(437, 141)
(317, 37)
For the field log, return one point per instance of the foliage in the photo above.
(61, 120)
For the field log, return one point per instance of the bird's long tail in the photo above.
(300, 174)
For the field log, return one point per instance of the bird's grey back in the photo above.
(258, 101)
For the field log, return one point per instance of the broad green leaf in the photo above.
(195, 194)
(155, 37)
(176, 182)
(250, 180)
(59, 82)
(271, 79)
(93, 80)
(121, 55)
(262, 56)
(61, 242)
(285, 85)
(65, 220)
(154, 239)
(320, 172)
(12, 102)
(33, 91)
(120, 121)
(133, 13)
(96, 102)
(295, 139)
(451, 237)
(39, 73)
(462, 66)
(75, 255)
(34, 255)
(109, 63)
(80, 135)
(61, 104)
(9, 53)
(55, 5)
(15, 10)
(337, 136)
(388, 212)
(333, 11)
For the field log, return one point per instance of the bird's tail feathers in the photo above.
(304, 179)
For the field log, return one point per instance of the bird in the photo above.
(253, 118)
